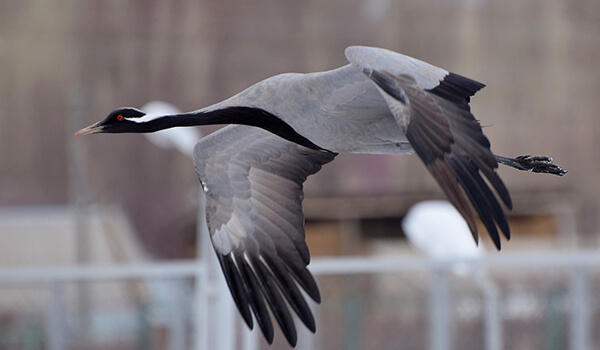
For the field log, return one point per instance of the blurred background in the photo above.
(113, 200)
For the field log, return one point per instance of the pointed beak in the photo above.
(92, 129)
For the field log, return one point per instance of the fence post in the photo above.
(439, 321)
(579, 326)
(55, 317)
(201, 334)
(177, 316)
(494, 329)
(79, 199)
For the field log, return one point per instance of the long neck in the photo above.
(232, 115)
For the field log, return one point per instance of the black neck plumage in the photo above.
(232, 115)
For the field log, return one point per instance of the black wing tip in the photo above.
(481, 197)
(457, 88)
(258, 286)
(256, 300)
(496, 237)
(496, 182)
(283, 278)
(315, 296)
(507, 202)
(469, 85)
(270, 291)
(236, 287)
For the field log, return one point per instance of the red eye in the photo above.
(120, 117)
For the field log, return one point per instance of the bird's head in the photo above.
(118, 121)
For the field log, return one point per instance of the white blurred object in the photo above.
(439, 230)
(183, 139)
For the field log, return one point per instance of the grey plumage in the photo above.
(382, 102)
(253, 181)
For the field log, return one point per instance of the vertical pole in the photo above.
(352, 311)
(79, 198)
(493, 321)
(439, 337)
(177, 326)
(201, 286)
(54, 318)
(579, 327)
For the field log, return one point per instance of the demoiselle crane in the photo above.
(292, 124)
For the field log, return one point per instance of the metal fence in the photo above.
(525, 301)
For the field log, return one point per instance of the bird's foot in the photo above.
(536, 164)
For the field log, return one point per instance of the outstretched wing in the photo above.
(432, 107)
(253, 181)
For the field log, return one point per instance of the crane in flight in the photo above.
(288, 126)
